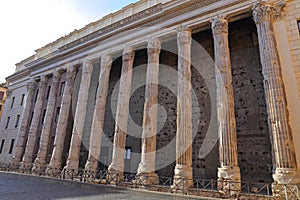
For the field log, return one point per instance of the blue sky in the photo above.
(27, 25)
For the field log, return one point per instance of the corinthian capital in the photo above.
(106, 61)
(154, 46)
(56, 75)
(128, 54)
(87, 67)
(219, 25)
(31, 85)
(268, 11)
(184, 36)
(71, 72)
(44, 79)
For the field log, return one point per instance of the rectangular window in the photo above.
(12, 102)
(62, 89)
(48, 92)
(1, 95)
(31, 118)
(44, 116)
(2, 145)
(57, 114)
(11, 146)
(17, 121)
(298, 23)
(127, 153)
(7, 122)
(22, 99)
(36, 95)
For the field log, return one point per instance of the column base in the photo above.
(114, 176)
(25, 168)
(286, 176)
(183, 178)
(53, 172)
(229, 180)
(147, 179)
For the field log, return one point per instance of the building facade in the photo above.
(201, 89)
(2, 99)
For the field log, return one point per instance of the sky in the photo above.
(27, 25)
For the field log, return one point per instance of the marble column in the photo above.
(229, 172)
(27, 160)
(99, 114)
(40, 161)
(54, 166)
(146, 170)
(21, 138)
(80, 115)
(286, 170)
(183, 173)
(116, 168)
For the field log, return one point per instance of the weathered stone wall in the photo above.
(254, 146)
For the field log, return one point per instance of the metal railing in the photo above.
(198, 187)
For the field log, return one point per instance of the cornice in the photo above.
(153, 16)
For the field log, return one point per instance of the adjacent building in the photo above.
(2, 99)
(194, 89)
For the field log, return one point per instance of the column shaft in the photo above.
(146, 171)
(59, 141)
(116, 168)
(283, 146)
(20, 144)
(33, 131)
(183, 169)
(40, 161)
(229, 170)
(99, 114)
(80, 115)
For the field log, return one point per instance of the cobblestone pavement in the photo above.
(16, 186)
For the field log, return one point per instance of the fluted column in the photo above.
(20, 144)
(40, 161)
(33, 131)
(229, 169)
(116, 168)
(286, 170)
(56, 157)
(98, 117)
(146, 171)
(80, 115)
(183, 173)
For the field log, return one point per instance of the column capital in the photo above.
(8, 93)
(267, 12)
(154, 46)
(128, 54)
(71, 71)
(87, 66)
(184, 36)
(106, 60)
(31, 85)
(219, 25)
(56, 75)
(44, 79)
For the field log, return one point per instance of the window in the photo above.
(62, 89)
(22, 99)
(12, 102)
(127, 153)
(48, 92)
(36, 95)
(7, 122)
(0, 107)
(2, 145)
(17, 121)
(57, 114)
(31, 118)
(11, 146)
(298, 22)
(1, 95)
(44, 115)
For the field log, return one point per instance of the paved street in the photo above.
(14, 186)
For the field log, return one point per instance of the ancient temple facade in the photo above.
(202, 89)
